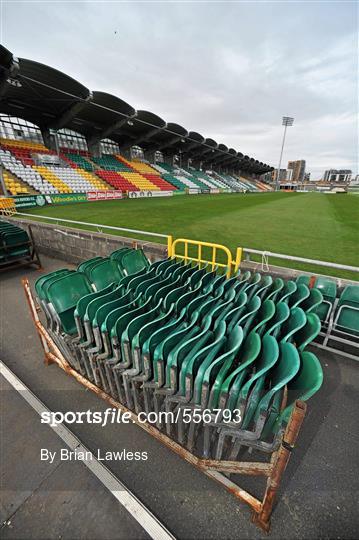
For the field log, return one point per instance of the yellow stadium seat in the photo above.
(53, 179)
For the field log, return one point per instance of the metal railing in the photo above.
(213, 260)
(96, 225)
(266, 254)
(233, 262)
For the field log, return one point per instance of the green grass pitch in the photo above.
(311, 225)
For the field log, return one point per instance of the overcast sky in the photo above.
(228, 70)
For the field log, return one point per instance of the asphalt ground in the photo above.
(319, 490)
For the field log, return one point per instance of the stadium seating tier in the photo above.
(77, 171)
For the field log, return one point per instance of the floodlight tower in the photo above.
(286, 121)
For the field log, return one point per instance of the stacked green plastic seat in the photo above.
(347, 311)
(14, 242)
(178, 338)
(328, 288)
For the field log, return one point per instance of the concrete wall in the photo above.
(74, 245)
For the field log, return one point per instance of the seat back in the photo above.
(106, 308)
(247, 357)
(41, 280)
(298, 296)
(249, 395)
(64, 293)
(247, 318)
(348, 318)
(289, 288)
(308, 332)
(248, 352)
(303, 279)
(275, 289)
(103, 273)
(85, 300)
(313, 301)
(282, 313)
(46, 284)
(327, 287)
(349, 296)
(303, 386)
(86, 265)
(295, 322)
(119, 253)
(133, 261)
(347, 315)
(16, 243)
(264, 286)
(100, 300)
(284, 371)
(263, 315)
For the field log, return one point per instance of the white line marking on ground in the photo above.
(138, 511)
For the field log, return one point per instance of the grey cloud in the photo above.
(229, 71)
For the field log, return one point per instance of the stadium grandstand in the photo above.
(59, 137)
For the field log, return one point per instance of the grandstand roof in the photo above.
(102, 120)
(50, 98)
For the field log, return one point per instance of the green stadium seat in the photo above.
(248, 396)
(133, 262)
(231, 385)
(41, 287)
(87, 265)
(268, 407)
(101, 314)
(296, 320)
(81, 308)
(64, 293)
(289, 288)
(252, 286)
(299, 295)
(305, 335)
(313, 301)
(347, 312)
(282, 313)
(107, 294)
(247, 318)
(264, 287)
(303, 386)
(119, 253)
(103, 273)
(106, 360)
(275, 289)
(41, 280)
(328, 288)
(303, 280)
(264, 314)
(14, 244)
(172, 335)
(211, 376)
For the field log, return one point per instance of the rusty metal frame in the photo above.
(215, 469)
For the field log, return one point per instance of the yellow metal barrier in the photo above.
(230, 265)
(7, 206)
(238, 259)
